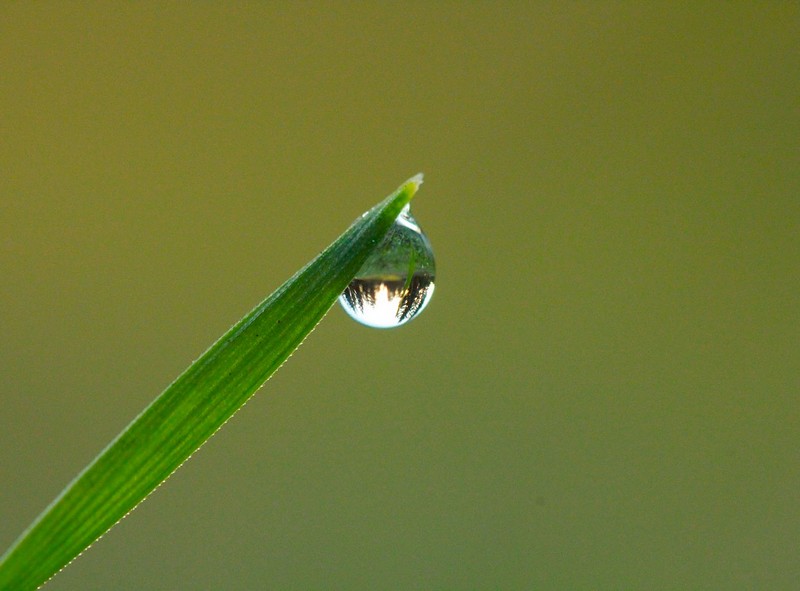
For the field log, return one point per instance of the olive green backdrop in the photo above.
(603, 392)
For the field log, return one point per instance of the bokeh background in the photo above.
(603, 393)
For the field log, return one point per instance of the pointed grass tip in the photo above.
(417, 180)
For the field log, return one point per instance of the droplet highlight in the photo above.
(397, 281)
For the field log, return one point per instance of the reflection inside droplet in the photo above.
(397, 281)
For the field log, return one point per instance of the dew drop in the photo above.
(396, 282)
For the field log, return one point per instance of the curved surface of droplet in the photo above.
(397, 281)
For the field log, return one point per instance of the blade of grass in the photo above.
(195, 405)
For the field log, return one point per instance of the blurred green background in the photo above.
(603, 393)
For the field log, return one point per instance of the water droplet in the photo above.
(396, 282)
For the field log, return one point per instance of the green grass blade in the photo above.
(194, 406)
